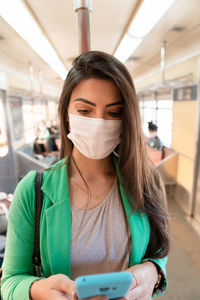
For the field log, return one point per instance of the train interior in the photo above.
(164, 62)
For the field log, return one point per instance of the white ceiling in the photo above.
(183, 13)
(109, 19)
(58, 19)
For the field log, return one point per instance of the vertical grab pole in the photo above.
(83, 9)
(31, 76)
(162, 55)
(196, 176)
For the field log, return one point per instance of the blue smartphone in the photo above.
(114, 285)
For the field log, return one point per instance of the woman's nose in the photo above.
(99, 115)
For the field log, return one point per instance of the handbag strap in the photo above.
(37, 268)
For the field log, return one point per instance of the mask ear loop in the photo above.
(115, 152)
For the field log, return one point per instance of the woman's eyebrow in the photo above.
(94, 104)
(114, 103)
(85, 101)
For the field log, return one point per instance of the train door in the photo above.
(197, 208)
(196, 184)
(8, 178)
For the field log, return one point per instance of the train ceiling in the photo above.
(179, 28)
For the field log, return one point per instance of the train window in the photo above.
(52, 110)
(3, 137)
(149, 114)
(165, 104)
(29, 130)
(34, 112)
(39, 112)
(164, 121)
(15, 105)
(160, 112)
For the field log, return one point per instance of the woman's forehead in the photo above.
(96, 90)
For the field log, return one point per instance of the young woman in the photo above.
(103, 203)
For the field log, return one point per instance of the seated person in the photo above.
(53, 135)
(40, 145)
(153, 141)
(5, 201)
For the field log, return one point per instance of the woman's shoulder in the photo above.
(27, 182)
(26, 186)
(23, 200)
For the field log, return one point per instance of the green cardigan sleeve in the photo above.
(161, 263)
(17, 265)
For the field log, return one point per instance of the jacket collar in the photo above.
(55, 182)
(56, 185)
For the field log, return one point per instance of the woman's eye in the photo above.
(83, 111)
(115, 114)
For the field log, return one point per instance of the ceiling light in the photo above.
(18, 17)
(126, 47)
(148, 15)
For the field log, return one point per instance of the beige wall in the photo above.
(173, 71)
(183, 140)
(184, 127)
(185, 172)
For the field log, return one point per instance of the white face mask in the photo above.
(94, 138)
(152, 135)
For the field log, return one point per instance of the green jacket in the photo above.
(55, 231)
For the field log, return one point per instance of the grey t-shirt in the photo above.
(103, 243)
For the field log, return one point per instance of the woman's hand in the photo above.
(58, 287)
(146, 276)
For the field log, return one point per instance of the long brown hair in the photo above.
(141, 180)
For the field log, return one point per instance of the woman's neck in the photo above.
(90, 168)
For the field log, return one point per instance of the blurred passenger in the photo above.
(3, 213)
(154, 141)
(104, 206)
(5, 201)
(3, 144)
(53, 135)
(42, 138)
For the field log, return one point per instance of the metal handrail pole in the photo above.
(83, 9)
(162, 63)
(197, 151)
